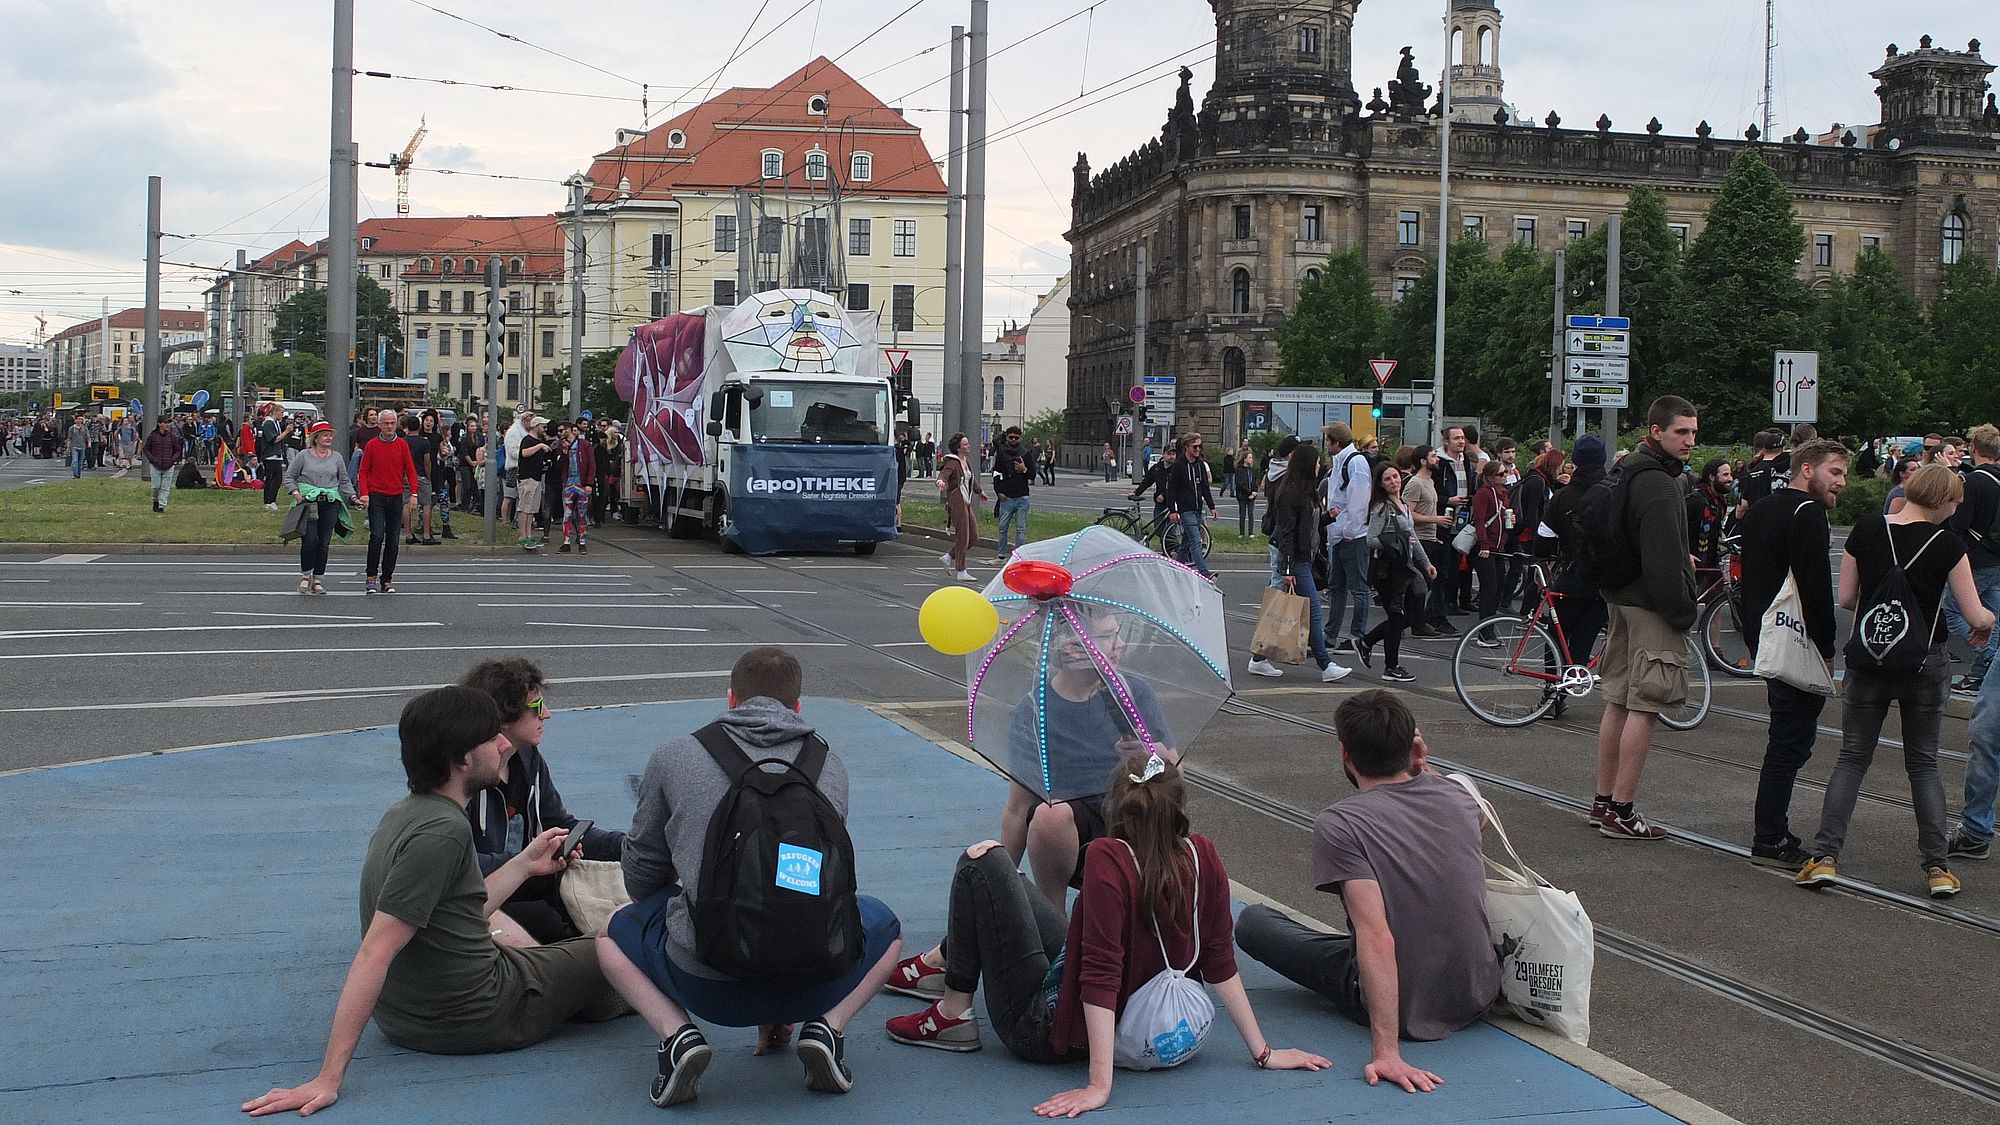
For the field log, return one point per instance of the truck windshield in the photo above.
(821, 413)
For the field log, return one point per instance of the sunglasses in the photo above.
(539, 707)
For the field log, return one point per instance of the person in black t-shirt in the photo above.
(1771, 468)
(425, 459)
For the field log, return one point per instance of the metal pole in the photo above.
(152, 372)
(1139, 325)
(953, 392)
(972, 377)
(104, 354)
(1558, 362)
(577, 190)
(340, 234)
(1613, 266)
(236, 340)
(496, 351)
(1443, 241)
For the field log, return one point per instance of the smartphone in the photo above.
(573, 843)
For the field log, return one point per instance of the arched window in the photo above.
(816, 165)
(471, 266)
(514, 267)
(999, 393)
(1954, 239)
(861, 168)
(1239, 291)
(1312, 275)
(1458, 46)
(1235, 372)
(1486, 46)
(447, 265)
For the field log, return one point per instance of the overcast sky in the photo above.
(227, 100)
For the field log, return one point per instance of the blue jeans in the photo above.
(1982, 764)
(1277, 576)
(1302, 585)
(1986, 580)
(1347, 569)
(77, 459)
(1013, 513)
(163, 485)
(1192, 552)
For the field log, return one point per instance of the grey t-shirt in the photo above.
(1419, 840)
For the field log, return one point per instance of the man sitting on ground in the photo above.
(525, 802)
(440, 968)
(1406, 847)
(652, 952)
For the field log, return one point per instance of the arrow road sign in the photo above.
(1592, 342)
(1586, 321)
(1795, 387)
(1597, 394)
(1383, 368)
(1595, 368)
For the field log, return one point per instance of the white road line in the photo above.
(839, 566)
(420, 592)
(902, 644)
(43, 634)
(315, 695)
(717, 566)
(66, 605)
(67, 559)
(551, 580)
(324, 651)
(195, 558)
(26, 581)
(605, 605)
(600, 625)
(293, 616)
(770, 591)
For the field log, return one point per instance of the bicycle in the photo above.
(1158, 532)
(1520, 673)
(1721, 625)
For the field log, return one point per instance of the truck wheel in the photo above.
(682, 526)
(718, 515)
(865, 549)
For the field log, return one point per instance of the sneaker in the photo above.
(1967, 685)
(1341, 644)
(1786, 855)
(411, 540)
(1963, 845)
(1397, 675)
(911, 977)
(1366, 652)
(1261, 667)
(1819, 871)
(582, 549)
(682, 1061)
(371, 587)
(1446, 629)
(270, 507)
(965, 576)
(564, 549)
(448, 534)
(824, 1053)
(932, 1028)
(429, 540)
(1334, 673)
(1942, 882)
(1423, 631)
(1485, 642)
(1634, 827)
(1599, 809)
(946, 561)
(534, 544)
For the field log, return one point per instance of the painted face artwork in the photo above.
(792, 330)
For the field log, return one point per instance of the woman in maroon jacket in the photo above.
(1148, 888)
(1490, 513)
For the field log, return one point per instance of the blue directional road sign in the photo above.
(1613, 322)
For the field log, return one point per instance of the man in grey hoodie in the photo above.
(648, 950)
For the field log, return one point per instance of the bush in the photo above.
(1861, 497)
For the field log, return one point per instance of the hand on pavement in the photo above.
(1394, 1070)
(1069, 1103)
(307, 1099)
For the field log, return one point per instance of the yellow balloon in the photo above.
(955, 620)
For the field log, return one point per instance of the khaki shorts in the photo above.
(1644, 667)
(558, 983)
(530, 499)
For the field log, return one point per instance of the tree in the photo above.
(1336, 329)
(1514, 300)
(296, 373)
(1965, 375)
(1874, 341)
(1046, 426)
(1740, 300)
(300, 324)
(1409, 336)
(1648, 286)
(600, 386)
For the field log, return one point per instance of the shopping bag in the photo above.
(592, 891)
(1544, 940)
(1784, 651)
(1281, 627)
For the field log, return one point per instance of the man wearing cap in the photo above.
(272, 434)
(163, 452)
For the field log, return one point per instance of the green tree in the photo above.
(1964, 385)
(1513, 326)
(1740, 300)
(600, 387)
(1409, 335)
(297, 373)
(1874, 341)
(1047, 426)
(300, 324)
(1648, 287)
(1337, 327)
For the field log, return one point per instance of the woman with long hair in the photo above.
(1899, 478)
(1294, 504)
(958, 482)
(1243, 484)
(1154, 894)
(1399, 573)
(1543, 480)
(1489, 524)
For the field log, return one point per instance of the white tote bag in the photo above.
(1545, 941)
(1784, 651)
(1164, 1023)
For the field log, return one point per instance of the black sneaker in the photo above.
(1963, 845)
(1967, 685)
(409, 541)
(1366, 652)
(448, 534)
(824, 1053)
(1423, 631)
(1446, 629)
(1397, 675)
(564, 549)
(682, 1061)
(1787, 855)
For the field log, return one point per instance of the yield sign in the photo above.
(1383, 368)
(896, 357)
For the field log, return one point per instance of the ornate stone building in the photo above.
(1241, 200)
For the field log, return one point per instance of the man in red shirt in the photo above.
(388, 475)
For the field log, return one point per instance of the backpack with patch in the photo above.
(1889, 639)
(1606, 557)
(776, 902)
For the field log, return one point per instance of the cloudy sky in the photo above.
(227, 100)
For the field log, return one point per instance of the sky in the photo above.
(227, 101)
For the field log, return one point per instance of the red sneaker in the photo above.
(930, 1028)
(911, 977)
(1634, 827)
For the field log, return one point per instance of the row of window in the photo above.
(472, 302)
(465, 385)
(771, 238)
(449, 265)
(860, 166)
(466, 337)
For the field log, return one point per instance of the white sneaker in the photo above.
(1261, 667)
(965, 576)
(945, 559)
(1334, 673)
(270, 507)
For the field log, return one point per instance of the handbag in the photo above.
(1784, 651)
(1281, 627)
(1466, 539)
(1165, 1021)
(1545, 942)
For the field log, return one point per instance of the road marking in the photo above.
(325, 651)
(601, 625)
(26, 581)
(903, 644)
(66, 605)
(294, 616)
(67, 559)
(42, 634)
(293, 593)
(605, 605)
(717, 566)
(316, 695)
(770, 591)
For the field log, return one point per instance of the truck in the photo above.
(767, 426)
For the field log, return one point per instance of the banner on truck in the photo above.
(788, 497)
(662, 373)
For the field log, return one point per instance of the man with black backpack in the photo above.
(742, 880)
(1635, 531)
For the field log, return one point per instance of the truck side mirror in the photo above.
(754, 396)
(715, 405)
(714, 428)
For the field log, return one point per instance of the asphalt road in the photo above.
(128, 654)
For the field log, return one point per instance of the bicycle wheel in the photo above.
(1505, 671)
(1690, 714)
(1720, 633)
(1122, 522)
(1170, 539)
(1207, 542)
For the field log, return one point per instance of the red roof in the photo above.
(282, 256)
(727, 136)
(171, 320)
(534, 238)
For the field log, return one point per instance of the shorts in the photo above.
(426, 498)
(530, 496)
(558, 982)
(1644, 667)
(641, 933)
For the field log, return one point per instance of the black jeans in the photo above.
(1794, 725)
(274, 475)
(1325, 963)
(1399, 607)
(1920, 697)
(316, 538)
(1246, 515)
(1491, 582)
(1002, 932)
(1582, 614)
(385, 534)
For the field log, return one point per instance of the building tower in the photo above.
(1283, 74)
(1477, 90)
(1935, 96)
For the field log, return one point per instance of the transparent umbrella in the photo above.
(1108, 654)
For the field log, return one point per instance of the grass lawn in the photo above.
(1049, 525)
(108, 510)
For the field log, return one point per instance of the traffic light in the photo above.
(1375, 411)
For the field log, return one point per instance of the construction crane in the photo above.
(402, 166)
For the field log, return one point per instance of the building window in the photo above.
(1409, 228)
(423, 265)
(677, 139)
(514, 305)
(860, 237)
(815, 165)
(816, 105)
(444, 301)
(1954, 240)
(449, 266)
(513, 345)
(514, 387)
(723, 294)
(367, 244)
(1404, 283)
(1870, 242)
(514, 267)
(1242, 228)
(815, 255)
(857, 298)
(662, 306)
(1239, 291)
(383, 271)
(1823, 250)
(548, 302)
(465, 384)
(423, 300)
(464, 340)
(903, 310)
(444, 342)
(548, 345)
(468, 304)
(774, 164)
(770, 234)
(905, 238)
(1312, 275)
(1576, 230)
(662, 252)
(1680, 235)
(1474, 225)
(725, 234)
(999, 393)
(861, 168)
(1309, 39)
(1524, 229)
(1309, 229)
(471, 265)
(1235, 372)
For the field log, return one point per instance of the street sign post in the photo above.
(1795, 387)
(1123, 427)
(1160, 394)
(1382, 369)
(1598, 369)
(1586, 342)
(1580, 395)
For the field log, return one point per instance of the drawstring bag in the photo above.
(1165, 1021)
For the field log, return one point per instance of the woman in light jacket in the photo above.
(1400, 573)
(958, 482)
